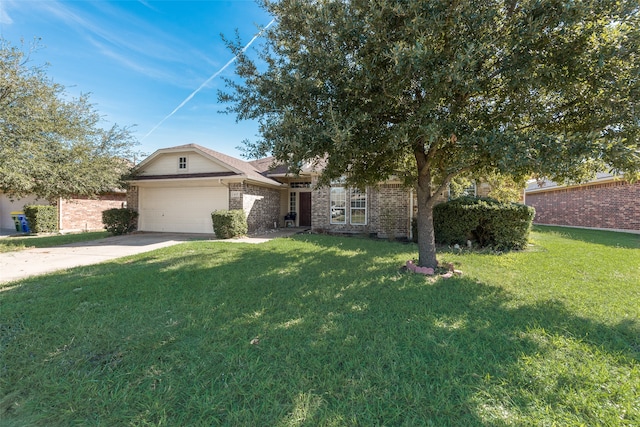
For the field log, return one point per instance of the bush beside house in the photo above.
(119, 221)
(486, 221)
(229, 223)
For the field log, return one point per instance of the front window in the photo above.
(182, 163)
(358, 207)
(338, 205)
(470, 190)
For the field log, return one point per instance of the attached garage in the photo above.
(176, 189)
(180, 209)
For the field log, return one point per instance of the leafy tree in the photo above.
(446, 87)
(51, 146)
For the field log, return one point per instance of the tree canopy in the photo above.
(52, 146)
(433, 89)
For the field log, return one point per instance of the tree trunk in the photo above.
(426, 234)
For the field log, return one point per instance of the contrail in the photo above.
(216, 74)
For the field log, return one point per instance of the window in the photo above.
(358, 207)
(338, 205)
(292, 202)
(470, 190)
(298, 184)
(182, 163)
(357, 202)
(457, 189)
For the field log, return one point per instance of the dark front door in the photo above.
(305, 210)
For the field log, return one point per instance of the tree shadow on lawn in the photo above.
(600, 237)
(343, 337)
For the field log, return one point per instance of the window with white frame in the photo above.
(358, 214)
(292, 202)
(470, 190)
(182, 163)
(300, 184)
(338, 205)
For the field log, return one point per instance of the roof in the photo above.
(268, 168)
(240, 167)
(536, 186)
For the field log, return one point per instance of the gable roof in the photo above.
(239, 167)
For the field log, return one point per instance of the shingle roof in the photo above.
(267, 167)
(245, 168)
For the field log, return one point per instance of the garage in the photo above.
(180, 209)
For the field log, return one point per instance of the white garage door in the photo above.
(183, 210)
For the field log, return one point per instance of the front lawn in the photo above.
(11, 244)
(319, 330)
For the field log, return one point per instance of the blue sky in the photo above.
(141, 59)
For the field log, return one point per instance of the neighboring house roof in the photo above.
(238, 168)
(536, 186)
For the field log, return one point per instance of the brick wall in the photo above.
(614, 205)
(261, 204)
(86, 214)
(132, 197)
(390, 211)
(387, 212)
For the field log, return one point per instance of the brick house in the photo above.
(75, 214)
(177, 189)
(606, 202)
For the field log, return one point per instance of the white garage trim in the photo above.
(180, 209)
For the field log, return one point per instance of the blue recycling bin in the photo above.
(23, 223)
(20, 221)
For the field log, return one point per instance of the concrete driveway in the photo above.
(32, 262)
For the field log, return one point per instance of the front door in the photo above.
(305, 210)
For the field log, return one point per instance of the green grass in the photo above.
(548, 336)
(11, 244)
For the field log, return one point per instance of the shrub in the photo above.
(119, 221)
(42, 218)
(228, 224)
(488, 222)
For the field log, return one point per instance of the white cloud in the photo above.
(4, 16)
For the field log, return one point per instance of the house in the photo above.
(177, 188)
(607, 202)
(74, 214)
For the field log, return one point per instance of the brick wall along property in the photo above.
(262, 205)
(81, 214)
(614, 205)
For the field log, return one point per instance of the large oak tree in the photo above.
(51, 145)
(445, 87)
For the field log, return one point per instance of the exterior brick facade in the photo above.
(132, 197)
(387, 212)
(614, 205)
(261, 204)
(82, 214)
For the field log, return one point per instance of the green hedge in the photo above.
(120, 221)
(487, 222)
(228, 224)
(42, 218)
